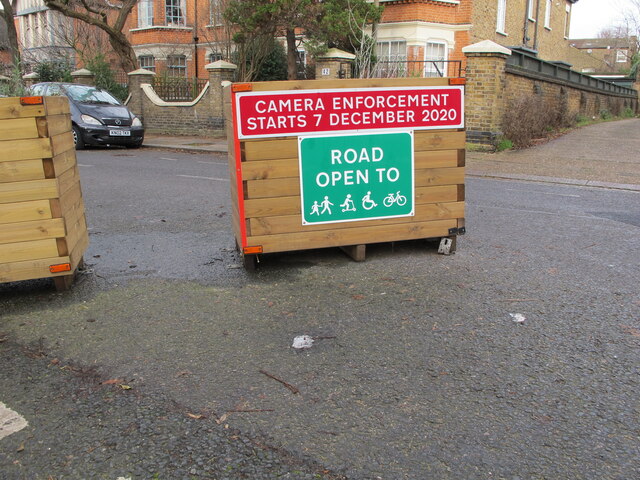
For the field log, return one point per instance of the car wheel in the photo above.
(134, 145)
(77, 138)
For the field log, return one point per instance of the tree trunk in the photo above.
(123, 49)
(7, 15)
(292, 55)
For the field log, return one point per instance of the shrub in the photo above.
(504, 144)
(53, 72)
(628, 112)
(13, 87)
(104, 77)
(605, 114)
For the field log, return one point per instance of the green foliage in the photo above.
(13, 87)
(582, 120)
(628, 113)
(104, 78)
(53, 72)
(274, 66)
(605, 114)
(504, 144)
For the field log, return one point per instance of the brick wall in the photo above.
(203, 117)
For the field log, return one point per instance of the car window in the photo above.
(54, 90)
(37, 89)
(85, 94)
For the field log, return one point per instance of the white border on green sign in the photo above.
(368, 133)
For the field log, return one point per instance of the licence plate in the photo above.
(119, 133)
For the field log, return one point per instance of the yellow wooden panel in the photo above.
(62, 143)
(438, 140)
(56, 105)
(64, 161)
(439, 176)
(24, 211)
(349, 83)
(293, 223)
(436, 159)
(57, 124)
(270, 149)
(352, 236)
(21, 171)
(264, 169)
(68, 179)
(277, 187)
(11, 108)
(70, 199)
(30, 269)
(77, 230)
(18, 128)
(25, 149)
(25, 191)
(17, 252)
(268, 207)
(78, 251)
(32, 230)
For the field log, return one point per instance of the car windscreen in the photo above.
(84, 94)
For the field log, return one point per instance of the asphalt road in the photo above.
(420, 370)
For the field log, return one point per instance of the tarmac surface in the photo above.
(516, 358)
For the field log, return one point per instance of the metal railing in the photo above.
(522, 62)
(416, 69)
(178, 89)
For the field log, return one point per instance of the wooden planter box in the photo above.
(266, 184)
(43, 231)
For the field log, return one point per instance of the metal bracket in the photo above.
(457, 231)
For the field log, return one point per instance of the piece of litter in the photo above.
(518, 317)
(303, 341)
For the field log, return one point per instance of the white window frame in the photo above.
(530, 10)
(145, 13)
(152, 64)
(178, 17)
(216, 10)
(567, 22)
(429, 68)
(622, 56)
(179, 68)
(501, 21)
(547, 15)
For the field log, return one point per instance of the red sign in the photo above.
(292, 113)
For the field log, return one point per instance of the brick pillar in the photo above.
(334, 64)
(485, 98)
(83, 77)
(136, 79)
(30, 79)
(219, 72)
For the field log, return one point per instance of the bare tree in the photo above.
(109, 16)
(6, 14)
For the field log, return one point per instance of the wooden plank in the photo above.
(70, 199)
(29, 269)
(32, 230)
(62, 143)
(11, 108)
(21, 171)
(77, 230)
(439, 176)
(78, 251)
(56, 105)
(270, 149)
(349, 83)
(25, 149)
(17, 252)
(285, 187)
(436, 159)
(263, 169)
(18, 128)
(267, 207)
(438, 140)
(25, 211)
(352, 236)
(64, 161)
(68, 179)
(356, 252)
(293, 223)
(31, 190)
(58, 124)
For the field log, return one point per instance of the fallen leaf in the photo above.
(358, 297)
(20, 448)
(113, 381)
(195, 416)
(124, 387)
(222, 419)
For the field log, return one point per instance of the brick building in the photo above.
(432, 30)
(604, 55)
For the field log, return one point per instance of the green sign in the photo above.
(344, 178)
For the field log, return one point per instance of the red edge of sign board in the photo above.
(240, 184)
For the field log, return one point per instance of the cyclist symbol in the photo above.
(397, 198)
(367, 203)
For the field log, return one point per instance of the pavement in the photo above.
(547, 162)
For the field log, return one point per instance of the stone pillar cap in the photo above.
(83, 72)
(141, 71)
(220, 65)
(337, 53)
(486, 46)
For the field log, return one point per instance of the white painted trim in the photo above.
(156, 100)
(159, 27)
